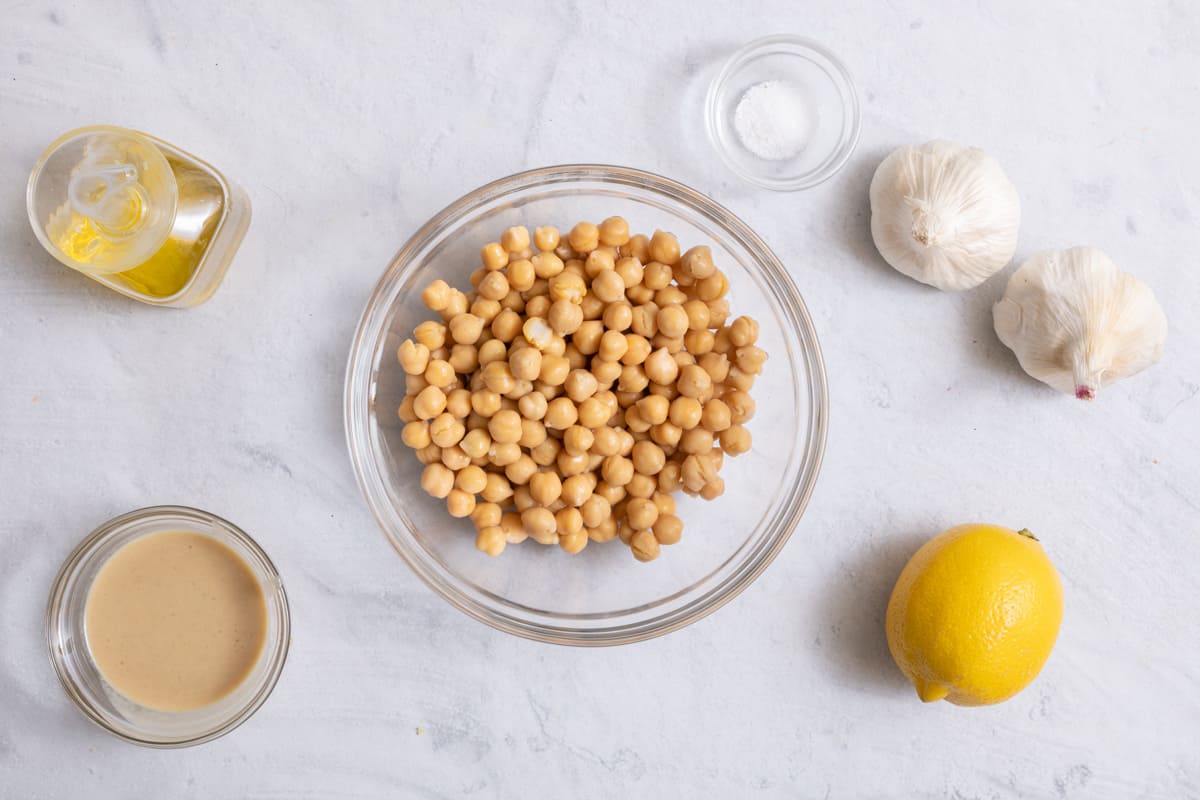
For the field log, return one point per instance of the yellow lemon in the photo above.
(974, 614)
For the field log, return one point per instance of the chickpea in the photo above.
(476, 443)
(643, 486)
(489, 351)
(630, 270)
(546, 266)
(673, 321)
(613, 494)
(712, 288)
(718, 313)
(439, 373)
(654, 409)
(605, 441)
(685, 412)
(637, 348)
(545, 487)
(494, 286)
(522, 499)
(437, 480)
(721, 342)
(567, 286)
(618, 316)
(617, 470)
(739, 380)
(698, 342)
(505, 426)
(413, 357)
(565, 317)
(569, 522)
(539, 522)
(741, 406)
(697, 262)
(598, 261)
(648, 458)
(660, 367)
(644, 320)
(641, 513)
(485, 402)
(696, 441)
(716, 416)
(416, 435)
(459, 503)
(570, 464)
(430, 455)
(743, 332)
(521, 275)
(614, 232)
(664, 248)
(491, 540)
(693, 382)
(750, 359)
(429, 402)
(633, 379)
(634, 421)
(498, 377)
(587, 337)
(697, 470)
(584, 237)
(735, 440)
(466, 328)
(458, 302)
(533, 406)
(501, 454)
(546, 453)
(554, 370)
(716, 365)
(533, 433)
(595, 509)
(606, 531)
(671, 478)
(407, 414)
(464, 358)
(657, 276)
(605, 372)
(713, 489)
(609, 286)
(644, 545)
(515, 238)
(668, 528)
(577, 489)
(493, 256)
(431, 334)
(545, 238)
(666, 434)
(613, 346)
(514, 531)
(446, 431)
(413, 384)
(472, 480)
(521, 470)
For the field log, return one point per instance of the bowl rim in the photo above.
(837, 72)
(356, 415)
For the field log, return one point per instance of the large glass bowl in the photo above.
(601, 596)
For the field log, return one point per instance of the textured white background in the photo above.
(351, 124)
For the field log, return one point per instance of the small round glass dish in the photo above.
(601, 596)
(66, 634)
(820, 99)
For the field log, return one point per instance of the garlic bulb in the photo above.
(944, 214)
(1076, 322)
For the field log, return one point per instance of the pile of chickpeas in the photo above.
(577, 386)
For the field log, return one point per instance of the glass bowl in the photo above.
(66, 636)
(818, 79)
(601, 596)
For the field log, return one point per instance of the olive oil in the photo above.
(137, 214)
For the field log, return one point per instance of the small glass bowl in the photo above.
(66, 636)
(819, 77)
(601, 596)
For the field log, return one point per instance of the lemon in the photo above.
(974, 614)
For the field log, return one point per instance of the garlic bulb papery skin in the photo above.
(944, 214)
(1076, 322)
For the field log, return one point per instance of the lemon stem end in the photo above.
(1027, 534)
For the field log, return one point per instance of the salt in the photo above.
(772, 120)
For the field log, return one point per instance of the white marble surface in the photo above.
(349, 124)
